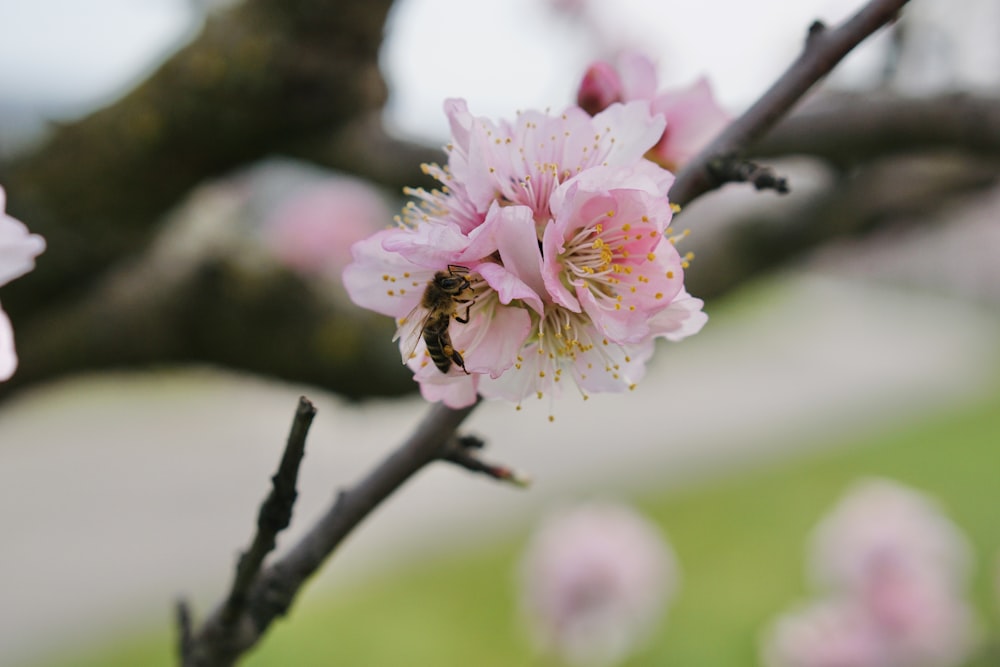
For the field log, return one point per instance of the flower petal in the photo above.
(8, 357)
(384, 281)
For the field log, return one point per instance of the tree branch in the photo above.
(824, 49)
(849, 128)
(221, 640)
(460, 452)
(275, 513)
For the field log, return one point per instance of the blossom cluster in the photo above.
(595, 580)
(895, 569)
(553, 233)
(18, 249)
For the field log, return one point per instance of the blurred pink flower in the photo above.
(18, 249)
(595, 580)
(883, 529)
(828, 633)
(693, 116)
(898, 567)
(312, 231)
(561, 228)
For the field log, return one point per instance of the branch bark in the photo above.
(823, 50)
(264, 78)
(849, 128)
(224, 637)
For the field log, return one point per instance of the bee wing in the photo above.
(410, 331)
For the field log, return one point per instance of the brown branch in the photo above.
(730, 169)
(261, 79)
(824, 49)
(459, 451)
(221, 640)
(849, 128)
(275, 513)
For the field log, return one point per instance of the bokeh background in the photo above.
(190, 294)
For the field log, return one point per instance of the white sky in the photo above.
(501, 56)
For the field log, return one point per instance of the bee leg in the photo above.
(456, 357)
(467, 309)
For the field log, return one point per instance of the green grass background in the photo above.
(740, 540)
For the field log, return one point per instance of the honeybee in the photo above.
(444, 294)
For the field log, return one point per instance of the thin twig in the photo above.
(730, 169)
(824, 48)
(459, 452)
(219, 642)
(275, 512)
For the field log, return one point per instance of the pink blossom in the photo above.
(595, 581)
(313, 230)
(828, 633)
(897, 568)
(18, 249)
(561, 227)
(693, 116)
(881, 528)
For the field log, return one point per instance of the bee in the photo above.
(444, 294)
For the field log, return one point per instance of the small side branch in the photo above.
(225, 636)
(275, 512)
(460, 451)
(824, 48)
(730, 169)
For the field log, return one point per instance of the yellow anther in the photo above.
(626, 227)
(651, 256)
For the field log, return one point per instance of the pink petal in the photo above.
(552, 269)
(609, 367)
(638, 76)
(384, 281)
(8, 357)
(510, 232)
(455, 391)
(18, 247)
(682, 318)
(694, 118)
(634, 128)
(491, 340)
(434, 244)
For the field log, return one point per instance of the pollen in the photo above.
(552, 418)
(391, 292)
(385, 277)
(651, 256)
(610, 214)
(626, 227)
(658, 295)
(670, 275)
(676, 208)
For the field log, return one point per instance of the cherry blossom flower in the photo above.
(881, 528)
(897, 568)
(595, 581)
(561, 228)
(18, 249)
(693, 116)
(313, 230)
